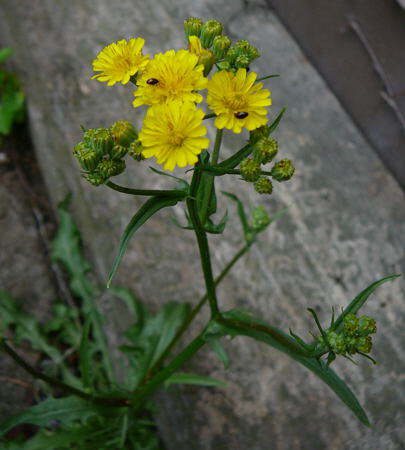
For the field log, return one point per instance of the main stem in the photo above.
(202, 241)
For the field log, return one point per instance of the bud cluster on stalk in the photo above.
(101, 152)
(353, 338)
(265, 150)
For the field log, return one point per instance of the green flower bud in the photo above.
(350, 324)
(260, 218)
(231, 55)
(364, 344)
(242, 62)
(123, 133)
(192, 26)
(367, 325)
(224, 65)
(250, 169)
(87, 157)
(135, 150)
(95, 179)
(207, 59)
(98, 139)
(244, 48)
(253, 53)
(109, 168)
(336, 342)
(259, 133)
(283, 170)
(265, 149)
(351, 345)
(118, 152)
(263, 186)
(209, 31)
(220, 46)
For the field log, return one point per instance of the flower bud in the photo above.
(220, 46)
(95, 179)
(260, 218)
(263, 186)
(231, 55)
(207, 59)
(123, 133)
(118, 152)
(367, 325)
(265, 149)
(250, 169)
(224, 65)
(244, 48)
(350, 324)
(87, 157)
(336, 342)
(259, 133)
(109, 168)
(98, 139)
(364, 344)
(209, 31)
(283, 170)
(135, 150)
(242, 62)
(192, 26)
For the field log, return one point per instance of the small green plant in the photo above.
(89, 406)
(11, 97)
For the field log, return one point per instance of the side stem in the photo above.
(150, 192)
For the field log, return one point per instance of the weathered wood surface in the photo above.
(344, 229)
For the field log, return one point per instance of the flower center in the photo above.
(236, 102)
(176, 138)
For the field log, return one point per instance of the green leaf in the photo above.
(235, 323)
(11, 102)
(147, 210)
(211, 227)
(86, 352)
(219, 350)
(267, 77)
(150, 338)
(183, 183)
(192, 378)
(235, 159)
(65, 410)
(5, 53)
(277, 120)
(241, 213)
(359, 301)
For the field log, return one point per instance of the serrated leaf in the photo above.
(64, 410)
(146, 211)
(359, 301)
(192, 378)
(238, 323)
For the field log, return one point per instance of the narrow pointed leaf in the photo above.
(219, 350)
(192, 378)
(277, 120)
(241, 212)
(359, 301)
(147, 210)
(234, 160)
(236, 323)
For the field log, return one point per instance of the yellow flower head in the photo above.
(170, 76)
(119, 61)
(173, 133)
(237, 101)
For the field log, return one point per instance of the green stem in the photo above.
(210, 182)
(209, 116)
(219, 171)
(57, 383)
(150, 192)
(202, 241)
(169, 370)
(198, 307)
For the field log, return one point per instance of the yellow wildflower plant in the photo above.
(173, 133)
(171, 76)
(119, 61)
(237, 101)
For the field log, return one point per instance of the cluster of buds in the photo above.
(240, 55)
(354, 337)
(102, 151)
(265, 150)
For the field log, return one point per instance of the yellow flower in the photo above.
(170, 76)
(237, 101)
(205, 57)
(173, 133)
(119, 61)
